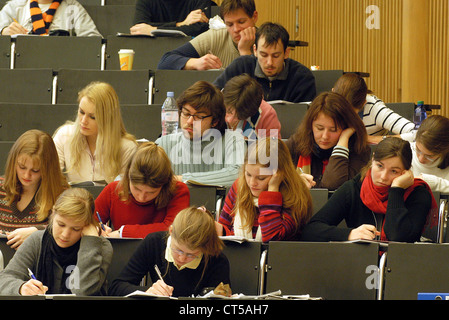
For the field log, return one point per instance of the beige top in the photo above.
(217, 42)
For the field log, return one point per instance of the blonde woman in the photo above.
(146, 199)
(96, 147)
(31, 184)
(269, 200)
(189, 257)
(69, 257)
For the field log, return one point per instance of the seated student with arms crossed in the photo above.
(31, 184)
(189, 257)
(269, 200)
(188, 16)
(383, 201)
(69, 257)
(146, 199)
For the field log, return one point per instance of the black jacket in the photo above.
(295, 83)
(404, 220)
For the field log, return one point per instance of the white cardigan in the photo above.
(90, 169)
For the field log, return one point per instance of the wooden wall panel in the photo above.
(439, 55)
(339, 39)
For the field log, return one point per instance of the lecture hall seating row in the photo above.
(332, 270)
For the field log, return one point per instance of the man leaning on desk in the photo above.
(217, 47)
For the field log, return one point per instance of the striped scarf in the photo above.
(41, 21)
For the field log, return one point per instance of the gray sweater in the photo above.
(94, 258)
(215, 159)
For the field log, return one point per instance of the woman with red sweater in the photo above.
(147, 198)
(269, 201)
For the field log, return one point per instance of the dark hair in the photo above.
(244, 94)
(433, 134)
(353, 88)
(204, 96)
(338, 108)
(272, 32)
(228, 6)
(389, 148)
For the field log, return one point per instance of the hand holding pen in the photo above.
(33, 286)
(160, 288)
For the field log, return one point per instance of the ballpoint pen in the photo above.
(31, 274)
(101, 222)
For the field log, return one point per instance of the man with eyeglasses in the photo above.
(204, 151)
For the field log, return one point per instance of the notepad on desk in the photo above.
(156, 33)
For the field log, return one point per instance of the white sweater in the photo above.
(90, 169)
(70, 16)
(437, 179)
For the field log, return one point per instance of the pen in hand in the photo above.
(31, 274)
(101, 222)
(158, 273)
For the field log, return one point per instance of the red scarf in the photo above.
(376, 199)
(305, 163)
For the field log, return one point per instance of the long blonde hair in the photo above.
(110, 130)
(295, 194)
(39, 146)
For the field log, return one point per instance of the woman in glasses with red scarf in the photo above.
(383, 202)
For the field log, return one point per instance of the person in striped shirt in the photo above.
(376, 116)
(269, 201)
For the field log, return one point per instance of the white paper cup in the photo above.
(126, 57)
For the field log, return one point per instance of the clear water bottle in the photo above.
(169, 115)
(420, 114)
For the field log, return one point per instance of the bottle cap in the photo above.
(170, 94)
(420, 102)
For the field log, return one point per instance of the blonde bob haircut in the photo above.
(295, 194)
(149, 166)
(40, 148)
(110, 130)
(77, 204)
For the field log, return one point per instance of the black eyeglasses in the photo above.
(196, 117)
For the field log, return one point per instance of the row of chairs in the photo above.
(94, 2)
(142, 120)
(94, 53)
(333, 271)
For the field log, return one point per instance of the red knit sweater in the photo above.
(139, 219)
(275, 221)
